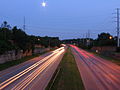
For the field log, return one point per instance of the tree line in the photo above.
(16, 39)
(103, 39)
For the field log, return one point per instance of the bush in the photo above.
(118, 49)
(5, 46)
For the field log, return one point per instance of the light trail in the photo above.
(17, 76)
(24, 83)
(96, 73)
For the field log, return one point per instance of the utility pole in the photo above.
(118, 28)
(49, 41)
(24, 24)
(89, 34)
(83, 39)
(88, 38)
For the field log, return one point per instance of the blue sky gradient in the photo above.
(63, 18)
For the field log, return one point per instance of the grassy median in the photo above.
(67, 76)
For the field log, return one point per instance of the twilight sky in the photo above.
(62, 18)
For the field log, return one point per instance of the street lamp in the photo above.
(110, 37)
(38, 39)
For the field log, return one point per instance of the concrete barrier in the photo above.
(13, 55)
(10, 56)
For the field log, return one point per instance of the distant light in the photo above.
(96, 51)
(110, 37)
(44, 4)
(38, 39)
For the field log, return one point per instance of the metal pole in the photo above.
(118, 28)
(24, 26)
(49, 42)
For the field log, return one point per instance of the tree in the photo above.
(5, 25)
(14, 39)
(104, 39)
(5, 37)
(20, 38)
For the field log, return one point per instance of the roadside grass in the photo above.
(116, 61)
(67, 76)
(16, 62)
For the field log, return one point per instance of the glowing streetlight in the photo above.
(44, 4)
(38, 39)
(110, 37)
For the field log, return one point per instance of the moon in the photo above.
(44, 4)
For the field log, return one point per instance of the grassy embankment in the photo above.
(67, 76)
(109, 58)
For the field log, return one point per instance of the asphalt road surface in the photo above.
(34, 74)
(96, 73)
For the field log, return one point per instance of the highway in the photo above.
(96, 73)
(34, 74)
